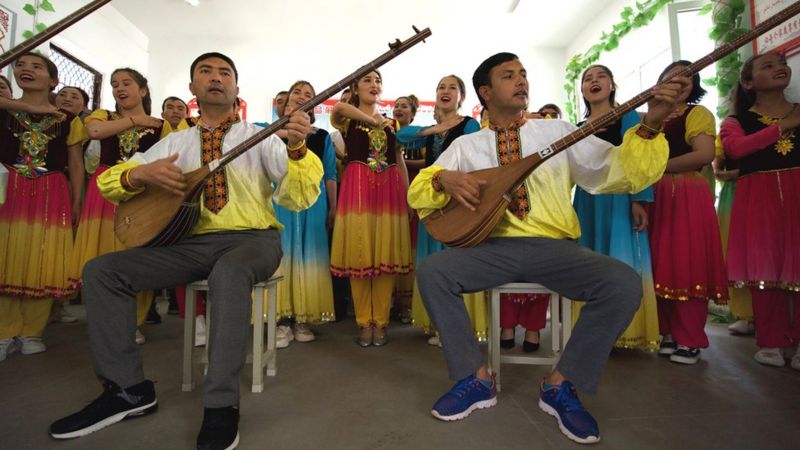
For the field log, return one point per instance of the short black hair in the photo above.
(481, 75)
(210, 55)
(698, 92)
(172, 98)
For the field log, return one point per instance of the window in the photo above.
(74, 72)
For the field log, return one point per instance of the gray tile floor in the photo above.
(331, 394)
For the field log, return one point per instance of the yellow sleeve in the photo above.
(97, 114)
(719, 152)
(422, 196)
(300, 187)
(110, 185)
(77, 132)
(634, 165)
(166, 129)
(700, 121)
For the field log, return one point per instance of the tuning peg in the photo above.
(416, 30)
(395, 45)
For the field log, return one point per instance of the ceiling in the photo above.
(456, 22)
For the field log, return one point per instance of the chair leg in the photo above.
(258, 339)
(494, 335)
(566, 322)
(272, 352)
(555, 325)
(188, 340)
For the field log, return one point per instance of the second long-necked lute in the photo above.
(158, 217)
(456, 226)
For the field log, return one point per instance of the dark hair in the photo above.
(303, 83)
(170, 99)
(698, 92)
(744, 99)
(8, 84)
(83, 93)
(552, 106)
(412, 100)
(52, 70)
(210, 55)
(461, 86)
(345, 91)
(141, 81)
(353, 100)
(611, 98)
(481, 75)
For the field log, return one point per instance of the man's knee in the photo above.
(95, 267)
(430, 270)
(625, 283)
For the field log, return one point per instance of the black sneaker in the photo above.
(667, 347)
(113, 405)
(172, 309)
(153, 317)
(685, 355)
(220, 430)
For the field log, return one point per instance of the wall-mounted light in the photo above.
(193, 2)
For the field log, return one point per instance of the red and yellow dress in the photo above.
(371, 237)
(95, 235)
(36, 219)
(688, 267)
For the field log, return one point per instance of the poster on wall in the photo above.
(784, 38)
(8, 29)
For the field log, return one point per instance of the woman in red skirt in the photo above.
(688, 267)
(764, 247)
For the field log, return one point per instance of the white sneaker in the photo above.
(796, 360)
(770, 357)
(742, 327)
(7, 347)
(435, 341)
(199, 331)
(32, 345)
(59, 313)
(283, 335)
(302, 333)
(140, 339)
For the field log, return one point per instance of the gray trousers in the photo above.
(232, 261)
(611, 289)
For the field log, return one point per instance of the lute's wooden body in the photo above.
(156, 217)
(161, 217)
(457, 226)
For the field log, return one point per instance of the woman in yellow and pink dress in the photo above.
(371, 239)
(38, 145)
(122, 133)
(688, 267)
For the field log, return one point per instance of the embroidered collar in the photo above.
(515, 125)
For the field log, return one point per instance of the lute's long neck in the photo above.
(592, 127)
(395, 49)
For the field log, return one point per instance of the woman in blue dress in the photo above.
(306, 293)
(449, 96)
(616, 224)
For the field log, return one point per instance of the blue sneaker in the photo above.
(466, 396)
(574, 421)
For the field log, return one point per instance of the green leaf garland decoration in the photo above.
(33, 10)
(643, 14)
(726, 18)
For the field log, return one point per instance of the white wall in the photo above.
(266, 68)
(105, 39)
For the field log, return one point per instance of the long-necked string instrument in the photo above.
(52, 30)
(456, 226)
(158, 217)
